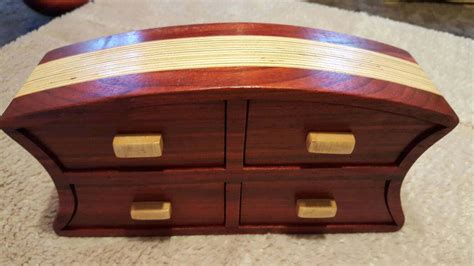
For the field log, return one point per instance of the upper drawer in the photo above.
(277, 134)
(192, 136)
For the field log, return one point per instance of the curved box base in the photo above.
(202, 211)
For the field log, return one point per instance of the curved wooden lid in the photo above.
(233, 58)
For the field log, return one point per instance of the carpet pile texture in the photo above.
(436, 195)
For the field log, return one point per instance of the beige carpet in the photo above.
(437, 193)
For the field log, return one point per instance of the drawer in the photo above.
(192, 136)
(187, 205)
(277, 134)
(276, 203)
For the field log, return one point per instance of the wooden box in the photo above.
(227, 128)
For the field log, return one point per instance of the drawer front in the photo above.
(278, 134)
(191, 135)
(186, 205)
(337, 202)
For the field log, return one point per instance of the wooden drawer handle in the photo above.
(151, 210)
(330, 142)
(138, 146)
(316, 208)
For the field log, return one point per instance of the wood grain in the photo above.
(358, 201)
(224, 51)
(381, 137)
(316, 208)
(151, 210)
(67, 201)
(235, 159)
(220, 84)
(193, 204)
(219, 29)
(194, 135)
(138, 145)
(330, 142)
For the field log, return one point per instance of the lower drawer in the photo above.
(189, 205)
(275, 203)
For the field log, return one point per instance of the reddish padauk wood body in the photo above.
(234, 157)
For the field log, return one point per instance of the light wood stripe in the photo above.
(224, 51)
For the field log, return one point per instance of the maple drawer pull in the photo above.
(316, 208)
(330, 142)
(151, 210)
(138, 146)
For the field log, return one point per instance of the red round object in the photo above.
(54, 7)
